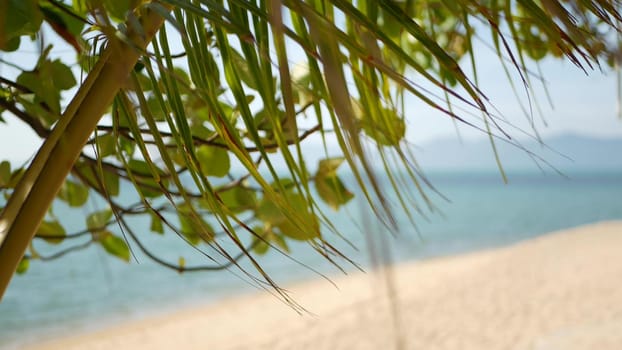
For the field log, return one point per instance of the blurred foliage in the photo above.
(228, 90)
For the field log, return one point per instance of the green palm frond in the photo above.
(209, 116)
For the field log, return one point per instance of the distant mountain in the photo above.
(565, 152)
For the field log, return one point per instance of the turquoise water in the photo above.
(88, 289)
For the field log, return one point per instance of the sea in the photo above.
(474, 210)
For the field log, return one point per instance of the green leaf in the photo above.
(155, 109)
(200, 131)
(43, 89)
(301, 84)
(182, 76)
(19, 17)
(23, 266)
(139, 167)
(126, 145)
(332, 191)
(301, 226)
(73, 193)
(193, 227)
(46, 82)
(115, 245)
(228, 111)
(243, 69)
(98, 220)
(62, 75)
(268, 236)
(388, 129)
(156, 223)
(148, 186)
(329, 186)
(214, 161)
(269, 212)
(81, 6)
(290, 230)
(281, 242)
(51, 231)
(307, 226)
(329, 166)
(176, 155)
(146, 85)
(260, 246)
(118, 9)
(263, 119)
(106, 145)
(111, 179)
(238, 199)
(35, 107)
(5, 174)
(11, 45)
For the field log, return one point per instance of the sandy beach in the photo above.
(559, 291)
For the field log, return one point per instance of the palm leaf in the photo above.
(217, 83)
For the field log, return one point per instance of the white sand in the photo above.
(560, 291)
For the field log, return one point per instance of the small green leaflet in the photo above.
(106, 145)
(329, 166)
(262, 245)
(115, 245)
(238, 199)
(111, 180)
(23, 17)
(156, 223)
(73, 193)
(193, 227)
(243, 69)
(332, 191)
(23, 266)
(46, 81)
(146, 179)
(98, 220)
(307, 226)
(119, 9)
(214, 161)
(388, 129)
(51, 231)
(329, 186)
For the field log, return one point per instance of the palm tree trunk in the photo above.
(27, 206)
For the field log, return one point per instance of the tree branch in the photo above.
(30, 200)
(177, 267)
(34, 123)
(208, 142)
(62, 252)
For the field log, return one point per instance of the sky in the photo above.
(582, 104)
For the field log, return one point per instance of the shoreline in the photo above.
(550, 292)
